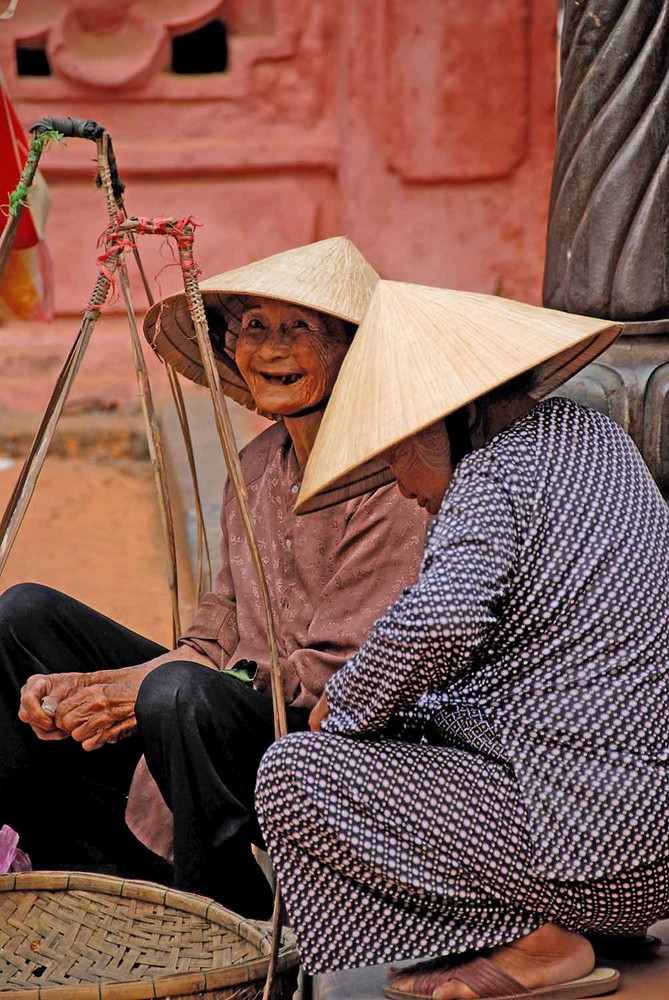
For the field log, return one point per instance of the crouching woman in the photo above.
(489, 782)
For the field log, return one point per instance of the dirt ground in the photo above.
(93, 531)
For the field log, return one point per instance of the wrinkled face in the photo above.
(422, 466)
(288, 355)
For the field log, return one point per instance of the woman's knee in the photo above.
(280, 768)
(172, 690)
(25, 606)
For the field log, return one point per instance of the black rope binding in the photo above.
(83, 128)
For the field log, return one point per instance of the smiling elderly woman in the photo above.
(203, 731)
(490, 782)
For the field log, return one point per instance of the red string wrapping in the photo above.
(116, 242)
(183, 231)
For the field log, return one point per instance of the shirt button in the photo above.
(288, 543)
(295, 488)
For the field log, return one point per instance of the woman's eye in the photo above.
(254, 324)
(301, 324)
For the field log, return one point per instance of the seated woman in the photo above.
(203, 730)
(490, 782)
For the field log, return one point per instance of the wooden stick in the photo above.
(25, 486)
(227, 437)
(203, 572)
(148, 410)
(203, 576)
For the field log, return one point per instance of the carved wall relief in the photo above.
(277, 75)
(458, 79)
(277, 58)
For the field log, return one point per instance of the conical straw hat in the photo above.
(422, 353)
(331, 276)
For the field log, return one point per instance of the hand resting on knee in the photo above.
(95, 708)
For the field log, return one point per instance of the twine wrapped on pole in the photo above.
(17, 198)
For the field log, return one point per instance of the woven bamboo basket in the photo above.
(78, 936)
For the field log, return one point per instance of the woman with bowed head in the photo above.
(486, 783)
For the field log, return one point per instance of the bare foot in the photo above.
(545, 957)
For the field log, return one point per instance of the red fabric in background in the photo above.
(14, 151)
(26, 281)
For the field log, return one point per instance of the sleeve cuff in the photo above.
(214, 624)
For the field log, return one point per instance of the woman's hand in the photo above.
(319, 714)
(53, 687)
(102, 710)
(96, 708)
(93, 709)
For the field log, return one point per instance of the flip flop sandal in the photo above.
(489, 982)
(628, 947)
(434, 964)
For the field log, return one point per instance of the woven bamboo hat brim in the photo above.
(331, 276)
(422, 353)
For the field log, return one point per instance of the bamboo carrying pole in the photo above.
(114, 259)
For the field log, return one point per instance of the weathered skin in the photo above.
(279, 340)
(422, 466)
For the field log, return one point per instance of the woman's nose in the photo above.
(274, 345)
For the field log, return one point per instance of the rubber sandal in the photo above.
(627, 947)
(489, 982)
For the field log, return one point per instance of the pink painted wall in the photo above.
(423, 130)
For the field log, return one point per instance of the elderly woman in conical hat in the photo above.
(490, 779)
(280, 328)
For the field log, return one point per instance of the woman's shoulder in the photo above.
(541, 442)
(555, 425)
(386, 502)
(562, 411)
(268, 450)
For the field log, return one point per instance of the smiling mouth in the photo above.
(289, 379)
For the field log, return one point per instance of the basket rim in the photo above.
(151, 987)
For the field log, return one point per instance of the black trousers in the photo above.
(203, 734)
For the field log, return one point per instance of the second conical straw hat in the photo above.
(422, 353)
(331, 276)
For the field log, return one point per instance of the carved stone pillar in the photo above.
(608, 234)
